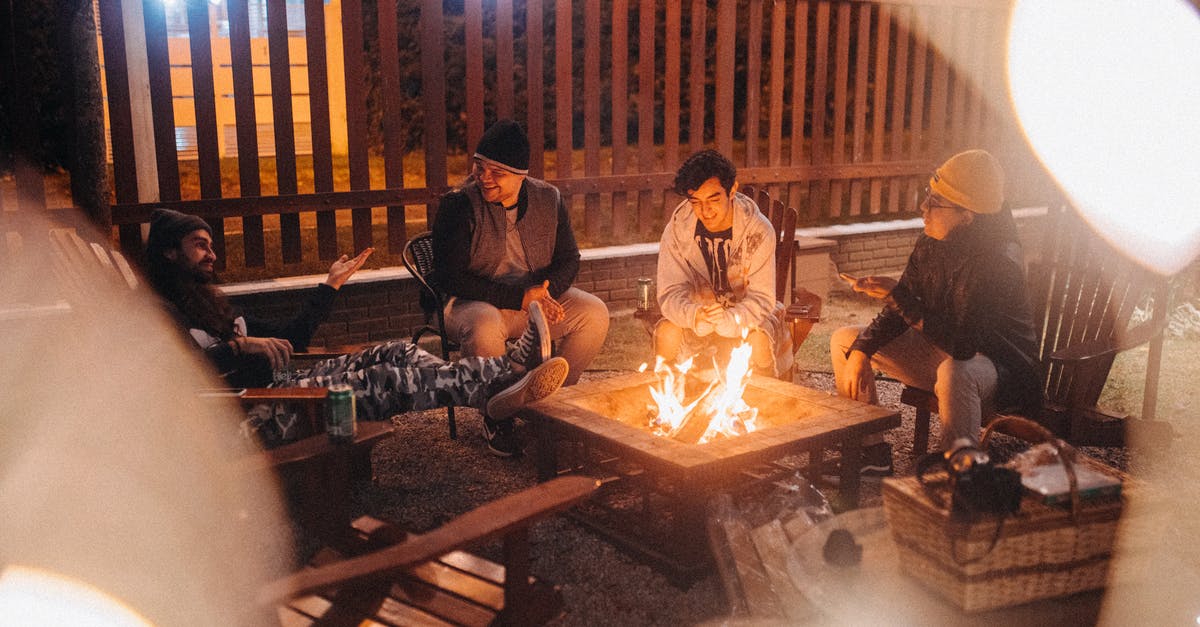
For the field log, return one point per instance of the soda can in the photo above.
(643, 294)
(341, 421)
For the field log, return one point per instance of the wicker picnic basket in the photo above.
(1041, 552)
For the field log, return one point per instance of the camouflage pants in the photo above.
(397, 376)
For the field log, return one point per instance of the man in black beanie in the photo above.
(501, 241)
(387, 379)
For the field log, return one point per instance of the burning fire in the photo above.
(717, 411)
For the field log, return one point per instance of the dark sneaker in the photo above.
(501, 436)
(877, 460)
(533, 347)
(535, 385)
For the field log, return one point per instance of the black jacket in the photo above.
(254, 370)
(461, 227)
(967, 293)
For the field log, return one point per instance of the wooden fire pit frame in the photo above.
(673, 482)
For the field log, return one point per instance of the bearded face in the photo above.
(195, 257)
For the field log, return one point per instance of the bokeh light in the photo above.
(1107, 95)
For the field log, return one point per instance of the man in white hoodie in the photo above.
(716, 271)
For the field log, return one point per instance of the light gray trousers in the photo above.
(965, 388)
(481, 329)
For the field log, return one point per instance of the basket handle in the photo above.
(1030, 431)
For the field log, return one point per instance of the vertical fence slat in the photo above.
(204, 101)
(903, 23)
(697, 55)
(393, 151)
(753, 81)
(563, 73)
(647, 212)
(862, 63)
(282, 118)
(620, 109)
(120, 117)
(840, 104)
(942, 37)
(356, 118)
(917, 86)
(473, 25)
(505, 79)
(591, 114)
(726, 49)
(775, 115)
(247, 128)
(534, 46)
(673, 62)
(818, 191)
(119, 114)
(433, 93)
(799, 98)
(964, 66)
(318, 107)
(879, 103)
(162, 103)
(977, 88)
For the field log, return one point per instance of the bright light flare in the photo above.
(1108, 95)
(32, 596)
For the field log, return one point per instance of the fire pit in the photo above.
(657, 488)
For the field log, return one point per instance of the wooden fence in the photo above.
(839, 108)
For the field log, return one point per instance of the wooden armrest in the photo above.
(1096, 349)
(285, 394)
(805, 306)
(312, 447)
(329, 352)
(489, 521)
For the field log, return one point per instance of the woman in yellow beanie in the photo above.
(958, 321)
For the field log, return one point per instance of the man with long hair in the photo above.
(387, 379)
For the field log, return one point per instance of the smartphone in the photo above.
(848, 278)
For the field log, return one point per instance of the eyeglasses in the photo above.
(932, 201)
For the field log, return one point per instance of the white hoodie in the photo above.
(682, 274)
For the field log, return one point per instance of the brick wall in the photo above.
(886, 252)
(382, 310)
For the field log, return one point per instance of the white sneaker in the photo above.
(538, 383)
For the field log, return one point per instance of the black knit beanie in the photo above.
(168, 228)
(504, 144)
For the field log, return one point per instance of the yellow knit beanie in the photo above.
(972, 179)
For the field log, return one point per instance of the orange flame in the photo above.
(719, 407)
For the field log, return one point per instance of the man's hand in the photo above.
(276, 350)
(552, 309)
(345, 267)
(712, 313)
(855, 376)
(873, 286)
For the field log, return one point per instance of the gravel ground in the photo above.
(424, 479)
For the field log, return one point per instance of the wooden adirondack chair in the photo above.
(804, 310)
(370, 571)
(1084, 297)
